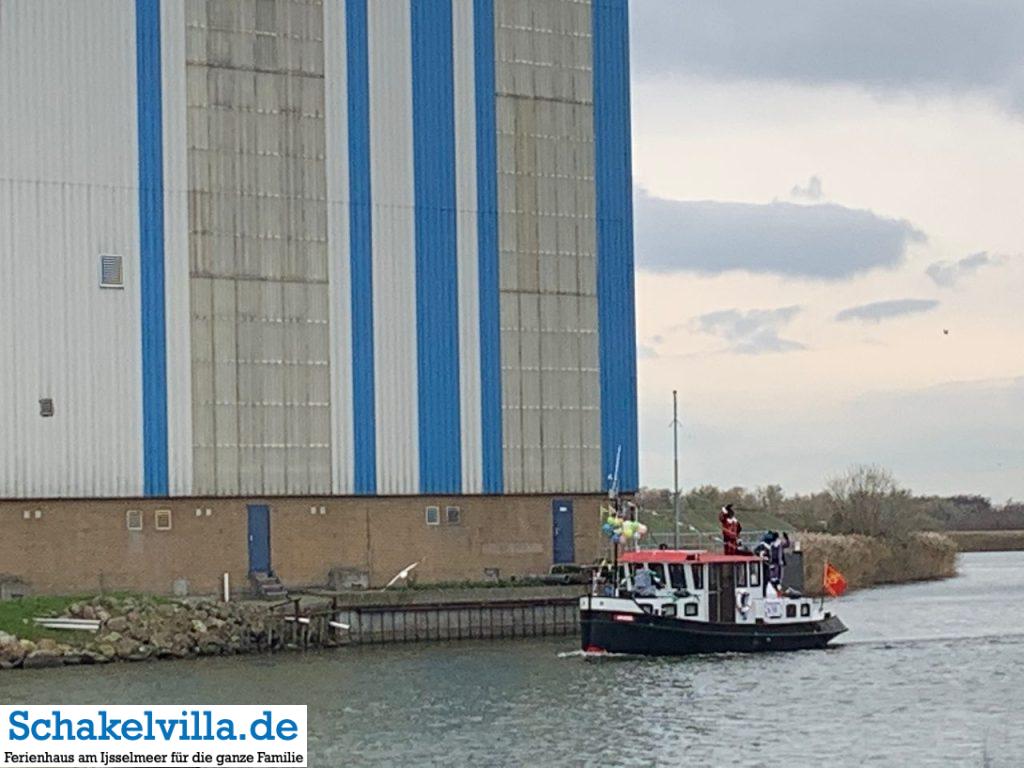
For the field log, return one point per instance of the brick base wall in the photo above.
(84, 546)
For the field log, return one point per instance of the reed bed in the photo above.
(866, 560)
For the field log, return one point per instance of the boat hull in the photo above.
(649, 635)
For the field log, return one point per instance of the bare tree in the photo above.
(771, 498)
(868, 500)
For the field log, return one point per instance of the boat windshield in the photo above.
(677, 572)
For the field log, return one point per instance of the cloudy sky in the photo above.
(824, 188)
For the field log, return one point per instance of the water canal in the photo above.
(929, 675)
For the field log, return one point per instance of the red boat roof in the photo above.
(683, 556)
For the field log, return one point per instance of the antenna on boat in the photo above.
(613, 494)
(613, 489)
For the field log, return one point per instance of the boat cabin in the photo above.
(704, 586)
(698, 602)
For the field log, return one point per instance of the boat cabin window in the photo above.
(755, 574)
(678, 573)
(669, 609)
(790, 611)
(805, 609)
(714, 574)
(659, 572)
(689, 609)
(698, 576)
(741, 574)
(629, 570)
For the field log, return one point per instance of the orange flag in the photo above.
(834, 582)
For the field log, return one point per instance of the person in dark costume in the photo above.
(772, 550)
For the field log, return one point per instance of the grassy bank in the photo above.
(988, 541)
(866, 561)
(16, 617)
(139, 627)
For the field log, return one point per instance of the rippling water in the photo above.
(930, 674)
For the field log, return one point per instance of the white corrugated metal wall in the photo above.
(338, 251)
(68, 193)
(176, 249)
(468, 254)
(394, 247)
(260, 340)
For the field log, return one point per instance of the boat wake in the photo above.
(1012, 638)
(598, 655)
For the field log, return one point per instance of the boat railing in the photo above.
(700, 539)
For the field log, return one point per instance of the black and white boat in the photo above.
(701, 602)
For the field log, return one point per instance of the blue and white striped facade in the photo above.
(371, 247)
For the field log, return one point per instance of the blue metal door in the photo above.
(564, 547)
(259, 538)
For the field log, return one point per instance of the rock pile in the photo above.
(137, 629)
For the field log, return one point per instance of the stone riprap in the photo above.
(139, 629)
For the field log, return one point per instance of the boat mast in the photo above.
(613, 496)
(675, 458)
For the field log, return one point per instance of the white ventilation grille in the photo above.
(111, 271)
(163, 520)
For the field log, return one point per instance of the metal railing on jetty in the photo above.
(291, 626)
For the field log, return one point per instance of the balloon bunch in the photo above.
(622, 531)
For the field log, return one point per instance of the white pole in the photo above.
(675, 459)
(227, 588)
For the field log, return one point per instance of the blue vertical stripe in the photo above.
(437, 318)
(149, 94)
(487, 245)
(360, 246)
(615, 295)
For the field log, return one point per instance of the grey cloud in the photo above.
(882, 45)
(753, 332)
(813, 190)
(884, 310)
(948, 273)
(825, 242)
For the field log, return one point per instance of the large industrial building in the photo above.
(317, 287)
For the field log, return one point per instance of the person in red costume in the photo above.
(731, 529)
